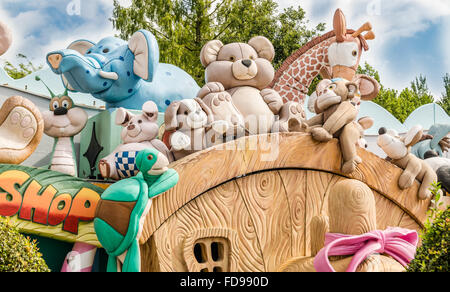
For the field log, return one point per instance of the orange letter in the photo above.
(11, 199)
(40, 203)
(83, 209)
(59, 209)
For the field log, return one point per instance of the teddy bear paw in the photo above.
(211, 87)
(272, 99)
(18, 129)
(293, 117)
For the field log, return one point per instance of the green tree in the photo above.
(182, 27)
(24, 68)
(400, 104)
(445, 101)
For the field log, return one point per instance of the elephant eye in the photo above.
(89, 52)
(105, 51)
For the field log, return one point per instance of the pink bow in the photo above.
(399, 243)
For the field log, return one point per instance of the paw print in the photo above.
(18, 129)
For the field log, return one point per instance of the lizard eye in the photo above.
(150, 157)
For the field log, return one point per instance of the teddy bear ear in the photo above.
(210, 52)
(263, 47)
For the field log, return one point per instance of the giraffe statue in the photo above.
(335, 54)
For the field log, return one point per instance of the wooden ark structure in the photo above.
(240, 210)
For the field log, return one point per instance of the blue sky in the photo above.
(413, 36)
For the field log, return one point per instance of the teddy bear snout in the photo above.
(244, 69)
(247, 63)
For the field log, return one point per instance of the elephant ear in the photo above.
(145, 48)
(81, 46)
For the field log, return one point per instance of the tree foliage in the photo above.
(400, 104)
(182, 27)
(24, 68)
(445, 101)
(17, 252)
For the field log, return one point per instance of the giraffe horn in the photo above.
(369, 36)
(339, 25)
(365, 27)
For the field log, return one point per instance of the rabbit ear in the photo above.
(170, 116)
(123, 117)
(150, 111)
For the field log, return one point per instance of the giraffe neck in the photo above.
(295, 76)
(63, 159)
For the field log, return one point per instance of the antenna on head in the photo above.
(37, 78)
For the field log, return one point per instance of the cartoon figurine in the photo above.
(337, 107)
(139, 132)
(190, 127)
(399, 152)
(122, 74)
(121, 212)
(245, 71)
(435, 140)
(63, 121)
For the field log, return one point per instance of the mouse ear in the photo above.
(150, 111)
(366, 122)
(123, 117)
(413, 136)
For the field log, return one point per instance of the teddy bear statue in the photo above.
(244, 71)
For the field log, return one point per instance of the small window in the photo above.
(212, 254)
(211, 250)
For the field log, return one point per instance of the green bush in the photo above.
(17, 252)
(433, 255)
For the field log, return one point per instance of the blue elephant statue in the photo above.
(122, 74)
(438, 141)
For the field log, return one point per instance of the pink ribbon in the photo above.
(399, 243)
